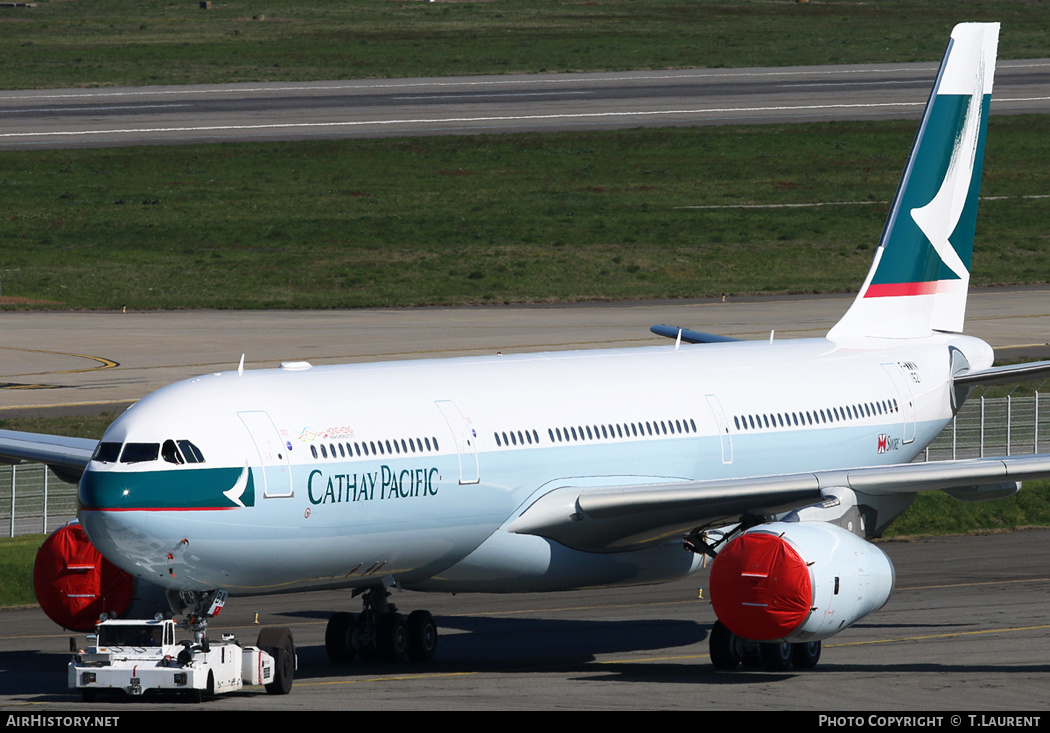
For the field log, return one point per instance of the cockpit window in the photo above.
(181, 451)
(190, 452)
(170, 453)
(107, 452)
(140, 452)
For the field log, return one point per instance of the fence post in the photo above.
(982, 426)
(12, 500)
(955, 421)
(43, 527)
(1009, 417)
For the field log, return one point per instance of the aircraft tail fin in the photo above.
(919, 279)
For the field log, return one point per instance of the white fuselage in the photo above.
(338, 476)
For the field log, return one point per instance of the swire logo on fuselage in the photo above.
(338, 488)
(886, 443)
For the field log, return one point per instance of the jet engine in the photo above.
(74, 584)
(797, 581)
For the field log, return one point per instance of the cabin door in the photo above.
(276, 474)
(904, 399)
(466, 442)
(723, 428)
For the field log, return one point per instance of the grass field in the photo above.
(489, 219)
(61, 43)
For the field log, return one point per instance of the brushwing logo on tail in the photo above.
(939, 218)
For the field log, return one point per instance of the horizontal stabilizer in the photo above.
(1007, 374)
(690, 337)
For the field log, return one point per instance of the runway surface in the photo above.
(967, 630)
(101, 361)
(64, 118)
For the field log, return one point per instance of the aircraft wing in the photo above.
(628, 517)
(67, 457)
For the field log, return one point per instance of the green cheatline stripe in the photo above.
(185, 488)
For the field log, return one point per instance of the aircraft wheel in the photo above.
(776, 656)
(422, 636)
(725, 647)
(392, 638)
(338, 638)
(805, 655)
(277, 642)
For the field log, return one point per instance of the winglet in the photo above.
(919, 279)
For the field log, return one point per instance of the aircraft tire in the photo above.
(805, 655)
(277, 642)
(776, 656)
(392, 638)
(338, 638)
(422, 636)
(725, 648)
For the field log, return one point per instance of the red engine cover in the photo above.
(760, 587)
(74, 583)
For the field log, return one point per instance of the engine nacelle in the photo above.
(74, 583)
(798, 581)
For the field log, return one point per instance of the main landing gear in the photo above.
(379, 632)
(729, 651)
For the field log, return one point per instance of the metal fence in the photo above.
(34, 500)
(995, 426)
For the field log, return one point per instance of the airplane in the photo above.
(777, 459)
